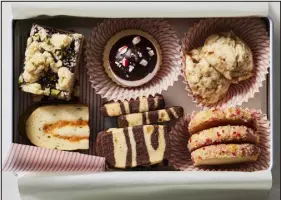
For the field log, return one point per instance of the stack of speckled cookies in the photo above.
(139, 140)
(223, 136)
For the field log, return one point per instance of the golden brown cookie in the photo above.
(222, 134)
(225, 154)
(206, 119)
(228, 54)
(205, 82)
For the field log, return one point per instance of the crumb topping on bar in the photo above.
(50, 61)
(65, 77)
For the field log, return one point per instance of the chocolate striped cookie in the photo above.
(151, 117)
(143, 104)
(134, 146)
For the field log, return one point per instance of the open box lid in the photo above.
(145, 181)
(140, 9)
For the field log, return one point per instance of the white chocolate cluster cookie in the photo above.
(229, 55)
(205, 81)
(222, 60)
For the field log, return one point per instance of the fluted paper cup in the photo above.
(181, 158)
(253, 32)
(169, 70)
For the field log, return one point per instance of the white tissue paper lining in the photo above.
(123, 185)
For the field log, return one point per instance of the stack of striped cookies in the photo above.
(140, 140)
(223, 136)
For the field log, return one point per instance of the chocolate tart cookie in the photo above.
(132, 58)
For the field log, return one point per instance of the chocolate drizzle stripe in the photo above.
(167, 140)
(108, 148)
(171, 114)
(122, 107)
(122, 121)
(129, 152)
(134, 106)
(143, 118)
(154, 138)
(151, 103)
(104, 111)
(141, 148)
(161, 102)
(153, 116)
(99, 151)
(177, 111)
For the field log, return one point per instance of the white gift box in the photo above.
(125, 185)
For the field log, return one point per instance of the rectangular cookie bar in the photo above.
(143, 104)
(134, 146)
(51, 62)
(151, 117)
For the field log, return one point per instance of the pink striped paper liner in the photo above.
(181, 158)
(169, 70)
(253, 32)
(25, 158)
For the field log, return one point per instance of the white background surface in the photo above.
(10, 190)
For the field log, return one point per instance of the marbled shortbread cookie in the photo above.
(151, 117)
(134, 146)
(139, 105)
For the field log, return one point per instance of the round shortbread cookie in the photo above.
(225, 154)
(222, 134)
(214, 117)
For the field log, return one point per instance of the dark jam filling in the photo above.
(132, 57)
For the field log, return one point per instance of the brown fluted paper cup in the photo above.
(253, 32)
(169, 70)
(181, 158)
